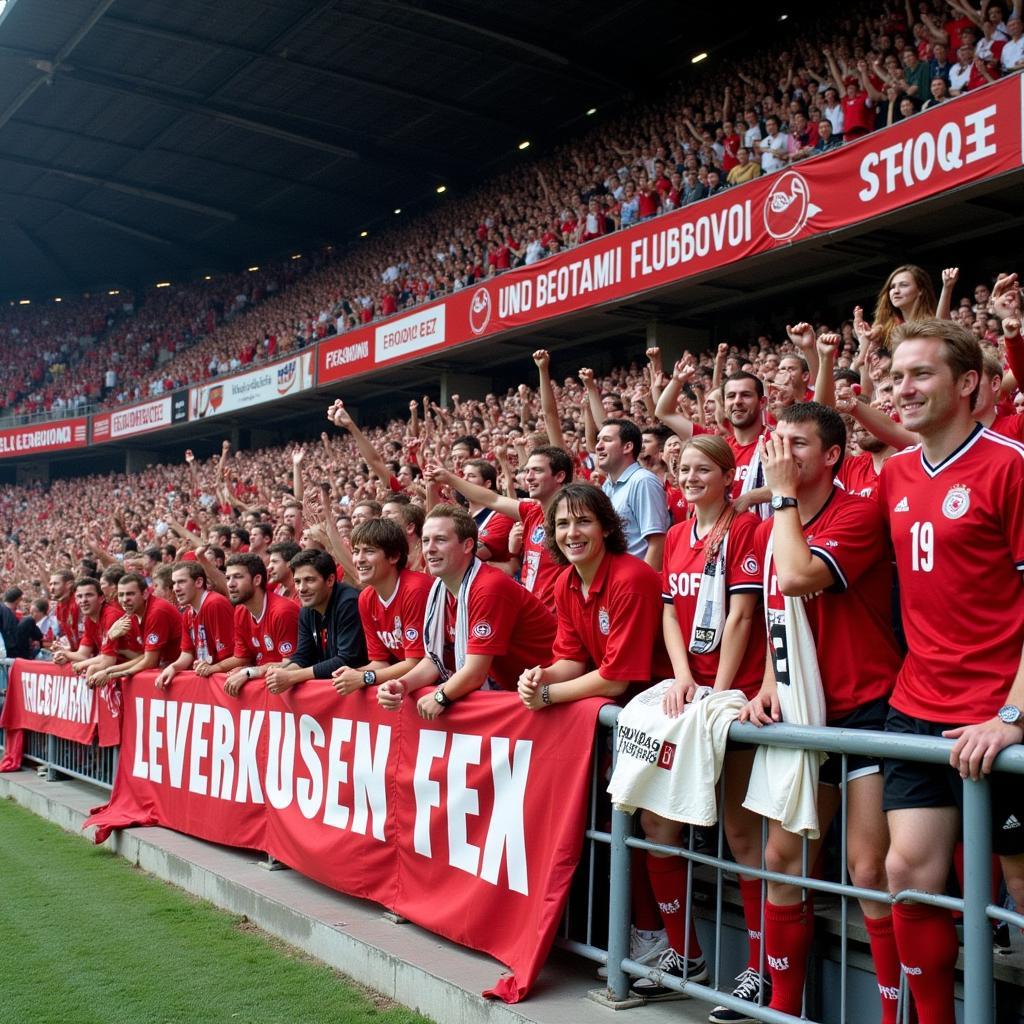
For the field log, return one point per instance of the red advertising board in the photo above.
(60, 435)
(974, 137)
(470, 826)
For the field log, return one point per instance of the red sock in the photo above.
(750, 892)
(788, 933)
(645, 907)
(887, 964)
(928, 947)
(668, 881)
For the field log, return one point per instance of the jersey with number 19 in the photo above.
(958, 534)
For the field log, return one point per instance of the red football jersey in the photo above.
(616, 628)
(857, 474)
(270, 638)
(492, 531)
(681, 575)
(94, 632)
(69, 620)
(209, 634)
(1010, 426)
(851, 621)
(394, 628)
(540, 570)
(159, 630)
(743, 454)
(958, 532)
(506, 621)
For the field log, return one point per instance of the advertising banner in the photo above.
(18, 442)
(268, 383)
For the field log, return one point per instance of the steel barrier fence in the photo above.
(975, 906)
(98, 765)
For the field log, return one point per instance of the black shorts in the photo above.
(910, 784)
(868, 716)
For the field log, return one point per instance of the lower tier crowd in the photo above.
(740, 522)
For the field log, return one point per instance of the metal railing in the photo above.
(711, 867)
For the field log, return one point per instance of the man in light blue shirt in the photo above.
(636, 493)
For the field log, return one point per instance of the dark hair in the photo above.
(374, 506)
(629, 433)
(13, 594)
(82, 581)
(319, 561)
(287, 549)
(384, 534)
(216, 555)
(660, 431)
(89, 567)
(559, 460)
(852, 376)
(469, 441)
(41, 605)
(154, 553)
(130, 544)
(831, 428)
(194, 569)
(410, 514)
(251, 563)
(744, 375)
(241, 533)
(111, 575)
(265, 528)
(133, 577)
(579, 497)
(487, 471)
(65, 574)
(223, 533)
(804, 367)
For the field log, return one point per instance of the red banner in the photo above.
(48, 698)
(965, 140)
(470, 825)
(18, 442)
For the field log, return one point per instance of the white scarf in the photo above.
(784, 783)
(434, 624)
(755, 479)
(709, 616)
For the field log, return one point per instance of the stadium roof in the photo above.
(142, 140)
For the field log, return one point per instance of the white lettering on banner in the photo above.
(506, 832)
(347, 354)
(250, 723)
(397, 338)
(370, 792)
(310, 792)
(908, 163)
(27, 440)
(695, 239)
(684, 584)
(581, 277)
(222, 767)
(65, 697)
(197, 781)
(280, 760)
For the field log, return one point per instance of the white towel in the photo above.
(755, 479)
(709, 616)
(434, 624)
(784, 782)
(671, 765)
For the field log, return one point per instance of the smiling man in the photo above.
(481, 628)
(955, 505)
(391, 606)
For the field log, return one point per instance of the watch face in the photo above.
(1009, 714)
(369, 678)
(440, 698)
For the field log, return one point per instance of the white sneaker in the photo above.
(673, 964)
(644, 947)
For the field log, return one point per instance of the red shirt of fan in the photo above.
(683, 567)
(94, 631)
(616, 628)
(272, 636)
(493, 529)
(69, 620)
(744, 454)
(1010, 426)
(958, 532)
(209, 634)
(159, 630)
(851, 621)
(394, 628)
(858, 475)
(505, 621)
(540, 570)
(279, 590)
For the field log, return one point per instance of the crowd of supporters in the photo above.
(726, 524)
(790, 98)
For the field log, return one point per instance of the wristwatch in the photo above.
(441, 697)
(778, 502)
(369, 677)
(1011, 715)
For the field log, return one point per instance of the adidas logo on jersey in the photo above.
(902, 506)
(1011, 822)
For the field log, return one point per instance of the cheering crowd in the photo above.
(793, 96)
(731, 528)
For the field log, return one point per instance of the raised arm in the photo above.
(593, 396)
(667, 408)
(341, 417)
(441, 477)
(949, 279)
(548, 402)
(802, 335)
(825, 381)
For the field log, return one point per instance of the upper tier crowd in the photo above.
(795, 96)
